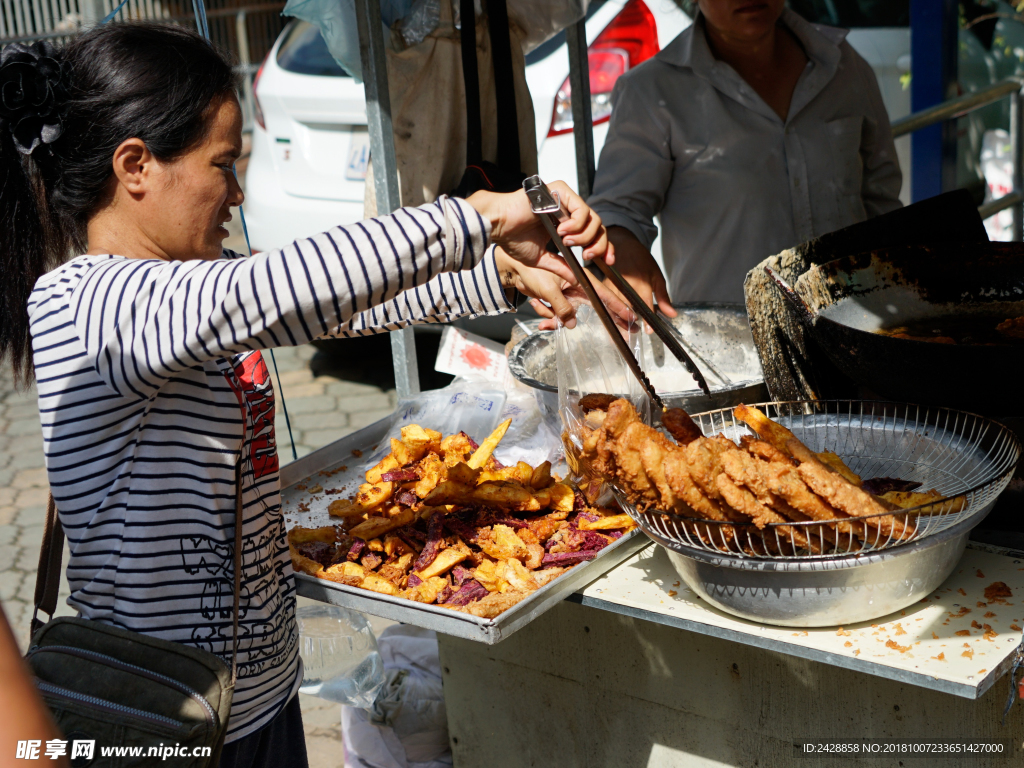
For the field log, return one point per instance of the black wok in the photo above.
(864, 293)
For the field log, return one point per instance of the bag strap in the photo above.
(504, 86)
(471, 78)
(239, 519)
(51, 552)
(48, 572)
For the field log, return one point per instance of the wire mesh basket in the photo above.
(967, 459)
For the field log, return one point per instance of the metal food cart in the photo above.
(633, 669)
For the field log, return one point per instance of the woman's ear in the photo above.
(134, 166)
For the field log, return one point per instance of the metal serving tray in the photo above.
(323, 468)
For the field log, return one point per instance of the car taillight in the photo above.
(256, 108)
(631, 38)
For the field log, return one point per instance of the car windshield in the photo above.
(854, 13)
(304, 52)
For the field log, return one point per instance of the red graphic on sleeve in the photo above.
(251, 372)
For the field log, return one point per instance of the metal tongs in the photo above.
(549, 208)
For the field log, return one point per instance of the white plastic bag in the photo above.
(407, 726)
(588, 363)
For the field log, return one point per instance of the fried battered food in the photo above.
(705, 459)
(842, 494)
(680, 426)
(596, 402)
(836, 464)
(677, 472)
(763, 450)
(653, 456)
(1012, 327)
(743, 500)
(770, 431)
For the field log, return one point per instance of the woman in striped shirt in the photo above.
(146, 348)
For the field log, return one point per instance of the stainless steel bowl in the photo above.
(718, 333)
(823, 592)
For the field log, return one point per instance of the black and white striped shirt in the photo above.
(150, 379)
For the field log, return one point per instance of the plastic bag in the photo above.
(541, 20)
(336, 20)
(407, 726)
(997, 165)
(588, 362)
(340, 658)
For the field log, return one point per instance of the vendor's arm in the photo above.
(882, 179)
(632, 180)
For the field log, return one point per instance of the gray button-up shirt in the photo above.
(691, 141)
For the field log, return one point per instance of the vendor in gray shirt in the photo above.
(751, 132)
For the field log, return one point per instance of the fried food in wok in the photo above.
(442, 522)
(753, 489)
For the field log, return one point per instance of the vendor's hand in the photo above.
(640, 270)
(521, 233)
(554, 298)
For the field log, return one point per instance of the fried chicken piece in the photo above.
(679, 478)
(653, 457)
(837, 465)
(763, 450)
(596, 402)
(842, 494)
(744, 469)
(627, 465)
(785, 482)
(680, 426)
(705, 459)
(743, 500)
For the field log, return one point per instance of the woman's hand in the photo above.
(640, 270)
(563, 296)
(521, 233)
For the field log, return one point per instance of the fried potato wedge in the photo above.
(502, 543)
(836, 464)
(463, 473)
(426, 592)
(541, 477)
(607, 523)
(449, 492)
(414, 435)
(445, 561)
(768, 430)
(376, 583)
(348, 573)
(373, 527)
(386, 464)
(483, 453)
(433, 472)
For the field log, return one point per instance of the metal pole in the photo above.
(385, 167)
(242, 32)
(1017, 150)
(582, 119)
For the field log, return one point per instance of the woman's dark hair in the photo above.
(151, 81)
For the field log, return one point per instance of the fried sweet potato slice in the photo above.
(388, 463)
(607, 523)
(348, 573)
(426, 591)
(541, 476)
(768, 430)
(502, 543)
(680, 426)
(836, 464)
(445, 561)
(414, 436)
(373, 527)
(487, 447)
(449, 492)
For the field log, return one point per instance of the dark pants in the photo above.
(281, 743)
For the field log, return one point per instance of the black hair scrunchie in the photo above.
(31, 95)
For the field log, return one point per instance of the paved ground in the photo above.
(322, 408)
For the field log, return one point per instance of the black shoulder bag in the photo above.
(126, 690)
